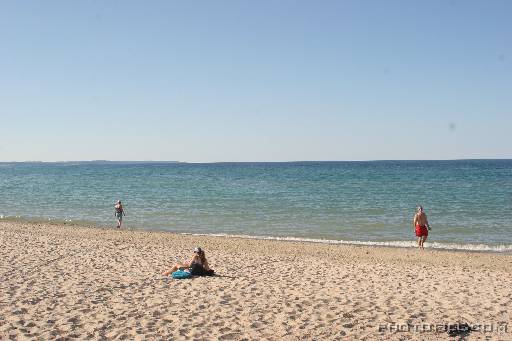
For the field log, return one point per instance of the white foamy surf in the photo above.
(501, 248)
(495, 248)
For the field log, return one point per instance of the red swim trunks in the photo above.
(421, 231)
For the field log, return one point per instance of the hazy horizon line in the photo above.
(212, 162)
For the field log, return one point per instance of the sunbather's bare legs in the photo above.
(175, 268)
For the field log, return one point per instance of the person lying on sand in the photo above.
(198, 260)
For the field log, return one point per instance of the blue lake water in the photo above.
(468, 202)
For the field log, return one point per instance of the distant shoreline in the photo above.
(96, 162)
(246, 162)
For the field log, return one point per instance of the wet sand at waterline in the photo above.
(85, 283)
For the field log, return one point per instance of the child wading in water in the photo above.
(119, 212)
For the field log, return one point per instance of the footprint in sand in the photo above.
(230, 336)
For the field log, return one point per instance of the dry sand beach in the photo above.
(71, 282)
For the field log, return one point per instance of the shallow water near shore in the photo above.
(365, 203)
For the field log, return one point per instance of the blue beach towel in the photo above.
(181, 274)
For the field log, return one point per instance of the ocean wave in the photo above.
(500, 248)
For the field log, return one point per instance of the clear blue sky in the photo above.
(255, 80)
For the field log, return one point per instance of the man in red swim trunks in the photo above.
(421, 226)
